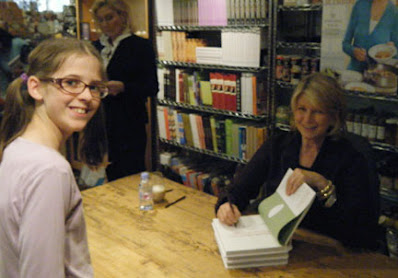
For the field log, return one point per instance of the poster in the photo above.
(359, 47)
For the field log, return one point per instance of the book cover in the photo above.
(171, 117)
(228, 136)
(235, 139)
(195, 131)
(161, 122)
(242, 142)
(187, 129)
(213, 133)
(270, 230)
(205, 92)
(201, 132)
(208, 133)
(220, 135)
(180, 129)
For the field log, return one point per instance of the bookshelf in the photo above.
(214, 44)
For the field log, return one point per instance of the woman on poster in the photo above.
(372, 22)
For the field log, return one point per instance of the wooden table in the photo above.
(178, 241)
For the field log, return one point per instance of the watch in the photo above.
(331, 200)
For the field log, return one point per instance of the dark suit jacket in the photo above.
(134, 64)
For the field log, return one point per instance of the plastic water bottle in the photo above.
(145, 191)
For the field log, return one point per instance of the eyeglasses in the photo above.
(76, 86)
(107, 18)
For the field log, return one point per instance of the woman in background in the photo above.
(320, 155)
(10, 48)
(372, 22)
(131, 67)
(42, 226)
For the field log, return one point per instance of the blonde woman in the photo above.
(320, 156)
(131, 68)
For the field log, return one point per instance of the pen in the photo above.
(230, 205)
(176, 201)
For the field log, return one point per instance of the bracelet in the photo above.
(327, 187)
(324, 194)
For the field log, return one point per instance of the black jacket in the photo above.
(134, 64)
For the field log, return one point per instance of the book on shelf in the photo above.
(172, 124)
(213, 133)
(228, 136)
(187, 129)
(242, 144)
(162, 124)
(205, 92)
(180, 129)
(201, 132)
(195, 131)
(164, 12)
(220, 135)
(212, 12)
(265, 239)
(160, 75)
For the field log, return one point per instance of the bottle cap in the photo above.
(144, 175)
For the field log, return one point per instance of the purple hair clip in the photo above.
(24, 77)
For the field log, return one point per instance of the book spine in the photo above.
(220, 128)
(242, 142)
(228, 136)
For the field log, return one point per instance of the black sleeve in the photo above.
(247, 183)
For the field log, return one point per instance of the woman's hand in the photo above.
(115, 87)
(360, 54)
(228, 215)
(300, 176)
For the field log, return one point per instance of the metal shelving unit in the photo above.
(190, 28)
(265, 71)
(210, 66)
(210, 110)
(204, 151)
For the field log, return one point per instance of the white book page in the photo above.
(300, 199)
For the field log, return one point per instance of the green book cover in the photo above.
(205, 93)
(282, 213)
(228, 136)
(213, 126)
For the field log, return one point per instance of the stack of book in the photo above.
(264, 239)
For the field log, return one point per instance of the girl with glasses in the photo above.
(43, 231)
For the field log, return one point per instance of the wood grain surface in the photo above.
(178, 241)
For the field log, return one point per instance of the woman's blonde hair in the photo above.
(119, 6)
(46, 59)
(326, 93)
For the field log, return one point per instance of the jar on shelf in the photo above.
(391, 131)
(314, 65)
(295, 70)
(305, 66)
(350, 122)
(286, 69)
(357, 124)
(282, 116)
(365, 126)
(381, 130)
(372, 128)
(279, 67)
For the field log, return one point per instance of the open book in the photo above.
(265, 235)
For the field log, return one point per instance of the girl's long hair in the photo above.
(43, 61)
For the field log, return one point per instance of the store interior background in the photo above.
(36, 20)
